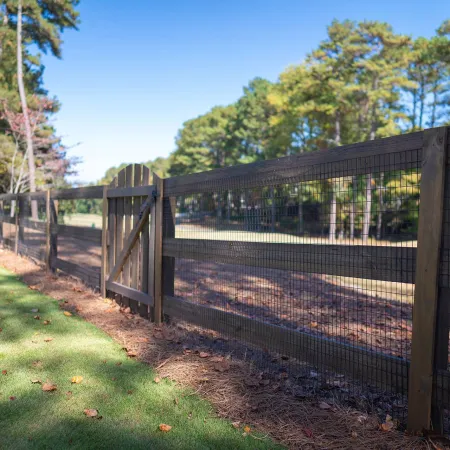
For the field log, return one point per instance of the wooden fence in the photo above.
(139, 250)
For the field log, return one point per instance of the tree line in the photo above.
(362, 82)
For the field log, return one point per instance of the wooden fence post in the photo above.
(426, 295)
(158, 223)
(168, 262)
(53, 251)
(103, 273)
(16, 212)
(48, 230)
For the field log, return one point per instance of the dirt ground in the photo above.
(236, 390)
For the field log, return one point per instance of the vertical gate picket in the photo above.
(111, 232)
(157, 258)
(134, 257)
(144, 250)
(119, 225)
(104, 269)
(127, 214)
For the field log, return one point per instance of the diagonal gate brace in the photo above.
(132, 239)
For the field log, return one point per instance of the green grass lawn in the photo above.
(131, 404)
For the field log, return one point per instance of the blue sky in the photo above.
(135, 71)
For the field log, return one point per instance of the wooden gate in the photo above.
(129, 245)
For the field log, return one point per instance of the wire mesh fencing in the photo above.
(330, 260)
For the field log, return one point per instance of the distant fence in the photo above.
(281, 255)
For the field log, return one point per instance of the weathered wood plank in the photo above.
(7, 219)
(427, 273)
(158, 219)
(104, 267)
(119, 237)
(359, 261)
(127, 212)
(128, 292)
(112, 203)
(129, 244)
(78, 193)
(134, 257)
(48, 230)
(393, 153)
(168, 262)
(135, 191)
(143, 308)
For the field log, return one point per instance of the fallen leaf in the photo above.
(67, 313)
(222, 366)
(114, 378)
(175, 401)
(69, 393)
(77, 289)
(314, 324)
(236, 425)
(37, 317)
(157, 380)
(37, 364)
(129, 392)
(48, 339)
(354, 434)
(165, 428)
(203, 355)
(118, 364)
(91, 412)
(48, 387)
(246, 429)
(131, 353)
(324, 405)
(216, 359)
(12, 397)
(47, 322)
(308, 432)
(110, 310)
(389, 424)
(35, 310)
(36, 381)
(143, 340)
(4, 372)
(33, 288)
(77, 379)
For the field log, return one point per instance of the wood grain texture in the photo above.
(104, 267)
(78, 193)
(120, 229)
(393, 153)
(427, 273)
(111, 231)
(359, 261)
(134, 257)
(128, 292)
(48, 230)
(144, 250)
(135, 191)
(158, 220)
(128, 221)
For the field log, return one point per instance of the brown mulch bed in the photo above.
(236, 390)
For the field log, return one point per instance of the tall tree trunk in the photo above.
(422, 103)
(367, 208)
(353, 207)
(333, 206)
(368, 202)
(434, 106)
(414, 114)
(332, 230)
(272, 210)
(380, 205)
(300, 224)
(26, 118)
